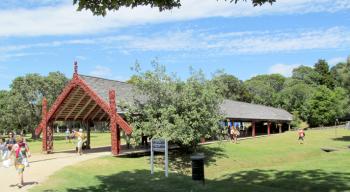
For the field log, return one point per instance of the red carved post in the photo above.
(49, 138)
(253, 128)
(113, 123)
(44, 125)
(268, 128)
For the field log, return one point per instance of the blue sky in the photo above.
(39, 36)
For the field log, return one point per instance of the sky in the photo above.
(41, 36)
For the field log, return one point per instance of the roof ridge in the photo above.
(255, 104)
(104, 78)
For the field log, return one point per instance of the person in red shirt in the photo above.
(301, 135)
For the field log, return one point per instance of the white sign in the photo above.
(159, 145)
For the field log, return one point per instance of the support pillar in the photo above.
(288, 126)
(113, 123)
(49, 139)
(268, 128)
(88, 135)
(253, 129)
(44, 125)
(280, 128)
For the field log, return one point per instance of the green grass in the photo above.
(276, 163)
(60, 144)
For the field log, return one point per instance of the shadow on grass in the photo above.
(253, 180)
(344, 138)
(181, 162)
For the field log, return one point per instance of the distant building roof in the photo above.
(247, 111)
(231, 109)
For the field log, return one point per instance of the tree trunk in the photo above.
(33, 135)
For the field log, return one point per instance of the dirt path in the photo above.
(41, 167)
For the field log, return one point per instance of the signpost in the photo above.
(159, 145)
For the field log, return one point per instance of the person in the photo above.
(234, 134)
(301, 135)
(2, 148)
(21, 153)
(67, 135)
(8, 145)
(81, 139)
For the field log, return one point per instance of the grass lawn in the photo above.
(276, 163)
(59, 144)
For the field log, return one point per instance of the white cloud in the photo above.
(283, 69)
(101, 71)
(209, 44)
(336, 60)
(65, 20)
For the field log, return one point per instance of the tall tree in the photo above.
(264, 88)
(322, 68)
(293, 97)
(26, 95)
(306, 74)
(100, 7)
(341, 74)
(325, 105)
(230, 87)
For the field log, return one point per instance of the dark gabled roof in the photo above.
(231, 109)
(247, 111)
(125, 92)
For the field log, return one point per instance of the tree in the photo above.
(306, 74)
(181, 111)
(100, 7)
(26, 95)
(325, 105)
(230, 87)
(294, 96)
(341, 74)
(264, 88)
(322, 68)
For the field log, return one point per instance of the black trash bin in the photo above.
(198, 167)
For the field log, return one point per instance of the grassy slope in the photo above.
(276, 163)
(97, 139)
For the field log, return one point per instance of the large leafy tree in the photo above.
(293, 97)
(100, 7)
(264, 88)
(341, 74)
(325, 105)
(181, 111)
(322, 68)
(25, 96)
(306, 74)
(230, 87)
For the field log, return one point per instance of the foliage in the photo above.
(325, 105)
(100, 7)
(22, 103)
(306, 74)
(230, 87)
(294, 95)
(296, 122)
(341, 74)
(264, 88)
(181, 111)
(322, 68)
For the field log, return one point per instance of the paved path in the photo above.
(41, 167)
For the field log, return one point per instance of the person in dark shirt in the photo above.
(10, 141)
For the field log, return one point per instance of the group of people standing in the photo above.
(80, 136)
(16, 150)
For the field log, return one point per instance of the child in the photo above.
(21, 152)
(301, 135)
